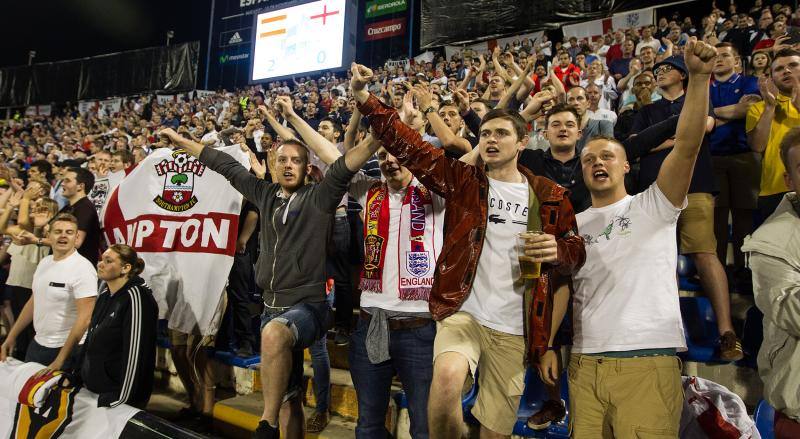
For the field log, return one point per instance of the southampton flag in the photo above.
(182, 218)
(58, 412)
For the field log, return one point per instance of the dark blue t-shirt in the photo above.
(731, 138)
(703, 176)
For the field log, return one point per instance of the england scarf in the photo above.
(415, 246)
(183, 220)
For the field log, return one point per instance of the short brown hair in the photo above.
(561, 108)
(519, 124)
(124, 155)
(785, 53)
(790, 140)
(728, 45)
(66, 218)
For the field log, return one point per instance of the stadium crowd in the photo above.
(452, 162)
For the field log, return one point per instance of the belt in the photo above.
(399, 324)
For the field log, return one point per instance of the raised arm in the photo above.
(437, 172)
(252, 187)
(450, 141)
(758, 136)
(676, 171)
(499, 67)
(326, 150)
(512, 91)
(282, 131)
(352, 130)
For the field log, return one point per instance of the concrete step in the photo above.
(238, 417)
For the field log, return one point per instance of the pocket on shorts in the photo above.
(655, 433)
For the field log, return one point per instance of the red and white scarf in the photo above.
(415, 252)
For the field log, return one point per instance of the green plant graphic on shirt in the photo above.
(622, 222)
(607, 231)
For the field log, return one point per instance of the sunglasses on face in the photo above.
(666, 68)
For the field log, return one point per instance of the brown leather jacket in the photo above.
(465, 190)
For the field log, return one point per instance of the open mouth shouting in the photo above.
(600, 175)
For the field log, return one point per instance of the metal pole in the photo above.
(208, 49)
(411, 31)
(31, 56)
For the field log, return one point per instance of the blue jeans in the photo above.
(308, 323)
(321, 364)
(412, 359)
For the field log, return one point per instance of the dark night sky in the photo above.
(67, 29)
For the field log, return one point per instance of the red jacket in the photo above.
(572, 71)
(465, 190)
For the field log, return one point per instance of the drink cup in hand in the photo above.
(528, 267)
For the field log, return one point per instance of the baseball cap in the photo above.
(675, 61)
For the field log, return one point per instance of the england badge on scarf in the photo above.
(182, 218)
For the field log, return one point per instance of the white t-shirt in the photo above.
(496, 297)
(602, 114)
(389, 299)
(626, 294)
(56, 286)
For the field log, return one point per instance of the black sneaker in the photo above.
(341, 338)
(266, 431)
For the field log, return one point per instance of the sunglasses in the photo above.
(666, 68)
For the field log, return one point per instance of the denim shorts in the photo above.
(308, 322)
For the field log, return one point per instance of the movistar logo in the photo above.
(228, 58)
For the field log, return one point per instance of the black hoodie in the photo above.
(120, 348)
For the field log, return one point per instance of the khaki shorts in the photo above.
(500, 359)
(696, 225)
(624, 398)
(738, 177)
(178, 338)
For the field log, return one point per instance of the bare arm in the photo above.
(623, 83)
(676, 171)
(85, 307)
(450, 141)
(281, 130)
(352, 130)
(512, 91)
(758, 137)
(737, 110)
(499, 67)
(356, 157)
(326, 150)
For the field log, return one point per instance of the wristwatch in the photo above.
(428, 110)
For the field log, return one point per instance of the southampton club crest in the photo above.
(179, 173)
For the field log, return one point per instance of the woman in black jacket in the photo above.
(120, 347)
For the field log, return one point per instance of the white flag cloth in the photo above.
(182, 218)
(63, 413)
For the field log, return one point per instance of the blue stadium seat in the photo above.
(532, 399)
(686, 273)
(468, 401)
(752, 336)
(765, 420)
(228, 357)
(700, 329)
